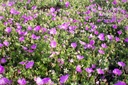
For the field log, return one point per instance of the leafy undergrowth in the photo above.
(75, 42)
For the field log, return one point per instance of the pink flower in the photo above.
(2, 70)
(43, 81)
(1, 45)
(101, 51)
(124, 1)
(5, 81)
(33, 36)
(122, 64)
(117, 72)
(38, 81)
(89, 70)
(119, 32)
(100, 71)
(61, 61)
(34, 7)
(92, 42)
(114, 2)
(74, 45)
(33, 46)
(101, 36)
(52, 9)
(53, 31)
(6, 43)
(29, 28)
(120, 83)
(114, 26)
(1, 17)
(110, 37)
(64, 78)
(21, 39)
(104, 45)
(29, 64)
(78, 68)
(3, 60)
(22, 81)
(117, 39)
(13, 11)
(46, 80)
(37, 28)
(53, 44)
(67, 4)
(79, 57)
(8, 30)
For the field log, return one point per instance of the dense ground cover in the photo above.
(56, 42)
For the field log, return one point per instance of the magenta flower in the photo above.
(34, 7)
(33, 36)
(121, 64)
(53, 31)
(2, 70)
(29, 28)
(29, 64)
(104, 45)
(11, 3)
(3, 60)
(126, 39)
(96, 32)
(100, 71)
(110, 37)
(120, 83)
(101, 36)
(6, 43)
(37, 28)
(8, 30)
(5, 81)
(60, 61)
(24, 48)
(126, 28)
(101, 51)
(114, 2)
(119, 32)
(79, 57)
(46, 80)
(92, 42)
(28, 1)
(22, 81)
(78, 69)
(52, 9)
(74, 45)
(64, 26)
(114, 26)
(13, 11)
(67, 4)
(64, 78)
(1, 45)
(19, 26)
(53, 44)
(93, 66)
(82, 43)
(124, 1)
(89, 70)
(117, 39)
(23, 62)
(44, 30)
(21, 39)
(38, 81)
(117, 72)
(33, 46)
(1, 17)
(30, 50)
